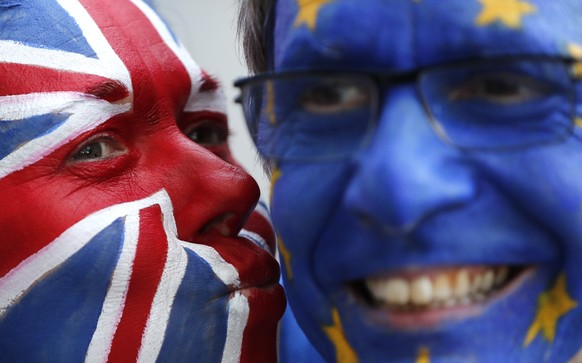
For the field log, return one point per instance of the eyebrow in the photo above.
(109, 90)
(209, 83)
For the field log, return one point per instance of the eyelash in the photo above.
(107, 145)
(219, 136)
(210, 128)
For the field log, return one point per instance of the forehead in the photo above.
(409, 33)
(99, 42)
(68, 66)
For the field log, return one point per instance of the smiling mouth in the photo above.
(413, 292)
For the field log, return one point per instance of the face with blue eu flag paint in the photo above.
(128, 232)
(427, 185)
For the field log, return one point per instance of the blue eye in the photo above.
(98, 149)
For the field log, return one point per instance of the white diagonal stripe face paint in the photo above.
(238, 315)
(198, 101)
(86, 112)
(223, 270)
(107, 64)
(22, 277)
(114, 304)
(255, 238)
(172, 276)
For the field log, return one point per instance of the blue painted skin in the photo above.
(467, 207)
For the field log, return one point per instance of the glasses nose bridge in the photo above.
(404, 128)
(384, 81)
(387, 83)
(400, 100)
(405, 174)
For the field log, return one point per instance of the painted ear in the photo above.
(259, 229)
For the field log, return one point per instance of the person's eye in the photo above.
(207, 133)
(333, 98)
(500, 88)
(100, 148)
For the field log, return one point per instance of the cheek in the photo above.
(545, 183)
(49, 202)
(305, 197)
(41, 213)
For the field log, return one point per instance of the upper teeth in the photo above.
(435, 289)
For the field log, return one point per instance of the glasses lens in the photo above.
(310, 116)
(500, 104)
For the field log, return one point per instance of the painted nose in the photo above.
(210, 195)
(407, 174)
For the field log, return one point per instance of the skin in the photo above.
(150, 158)
(409, 204)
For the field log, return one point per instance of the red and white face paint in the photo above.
(122, 231)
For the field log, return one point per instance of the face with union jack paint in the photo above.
(123, 216)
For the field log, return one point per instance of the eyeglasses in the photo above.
(484, 105)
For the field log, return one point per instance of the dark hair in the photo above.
(253, 28)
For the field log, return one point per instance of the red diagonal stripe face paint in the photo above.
(59, 81)
(147, 53)
(150, 258)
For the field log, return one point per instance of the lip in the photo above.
(270, 297)
(259, 275)
(414, 318)
(256, 268)
(260, 270)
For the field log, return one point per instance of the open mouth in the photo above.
(430, 294)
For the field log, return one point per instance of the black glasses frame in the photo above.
(383, 79)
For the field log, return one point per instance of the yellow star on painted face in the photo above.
(275, 175)
(575, 51)
(269, 110)
(308, 12)
(344, 353)
(509, 12)
(423, 356)
(286, 255)
(552, 305)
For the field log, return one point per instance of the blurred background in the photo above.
(208, 29)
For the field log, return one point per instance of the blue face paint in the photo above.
(414, 249)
